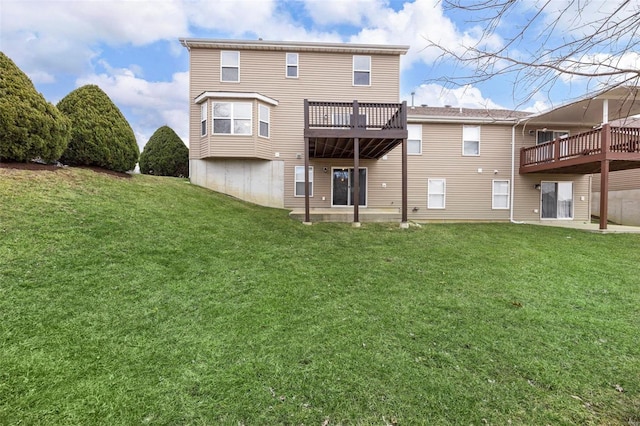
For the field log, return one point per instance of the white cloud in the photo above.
(418, 24)
(234, 17)
(150, 104)
(602, 63)
(65, 36)
(437, 95)
(355, 12)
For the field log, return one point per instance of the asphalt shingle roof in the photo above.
(457, 112)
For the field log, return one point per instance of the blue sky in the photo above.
(130, 48)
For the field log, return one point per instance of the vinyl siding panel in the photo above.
(468, 191)
(619, 181)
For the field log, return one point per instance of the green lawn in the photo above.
(152, 301)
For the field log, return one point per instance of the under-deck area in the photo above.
(354, 130)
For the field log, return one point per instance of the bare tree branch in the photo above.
(557, 41)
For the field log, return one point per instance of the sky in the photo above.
(131, 48)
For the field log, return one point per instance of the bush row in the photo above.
(86, 128)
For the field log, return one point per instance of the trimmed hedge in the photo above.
(100, 135)
(165, 155)
(30, 127)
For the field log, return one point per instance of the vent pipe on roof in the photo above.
(412, 99)
(447, 106)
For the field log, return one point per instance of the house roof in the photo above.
(466, 115)
(295, 46)
(622, 102)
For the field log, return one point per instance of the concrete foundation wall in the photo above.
(256, 181)
(624, 206)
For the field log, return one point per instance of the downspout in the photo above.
(513, 173)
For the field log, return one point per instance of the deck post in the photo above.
(604, 193)
(404, 182)
(403, 115)
(604, 175)
(307, 218)
(356, 181)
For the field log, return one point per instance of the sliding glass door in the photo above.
(342, 183)
(557, 200)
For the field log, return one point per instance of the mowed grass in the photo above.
(152, 301)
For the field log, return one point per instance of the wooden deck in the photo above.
(355, 131)
(332, 128)
(584, 153)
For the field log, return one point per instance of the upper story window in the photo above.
(230, 66)
(232, 118)
(471, 140)
(543, 136)
(414, 140)
(263, 120)
(203, 119)
(292, 65)
(361, 70)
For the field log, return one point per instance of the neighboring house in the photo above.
(260, 111)
(624, 189)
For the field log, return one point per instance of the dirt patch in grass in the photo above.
(53, 168)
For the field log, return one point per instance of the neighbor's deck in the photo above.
(584, 153)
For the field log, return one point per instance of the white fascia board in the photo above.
(422, 119)
(292, 46)
(235, 95)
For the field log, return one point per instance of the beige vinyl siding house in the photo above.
(262, 170)
(260, 111)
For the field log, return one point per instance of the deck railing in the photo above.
(620, 139)
(341, 115)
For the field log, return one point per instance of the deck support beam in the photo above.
(356, 180)
(404, 182)
(307, 218)
(604, 176)
(604, 193)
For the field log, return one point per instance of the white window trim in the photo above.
(470, 140)
(567, 134)
(287, 65)
(261, 120)
(235, 95)
(295, 181)
(353, 71)
(419, 126)
(222, 65)
(232, 118)
(493, 194)
(444, 194)
(203, 119)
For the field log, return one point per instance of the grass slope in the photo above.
(151, 301)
